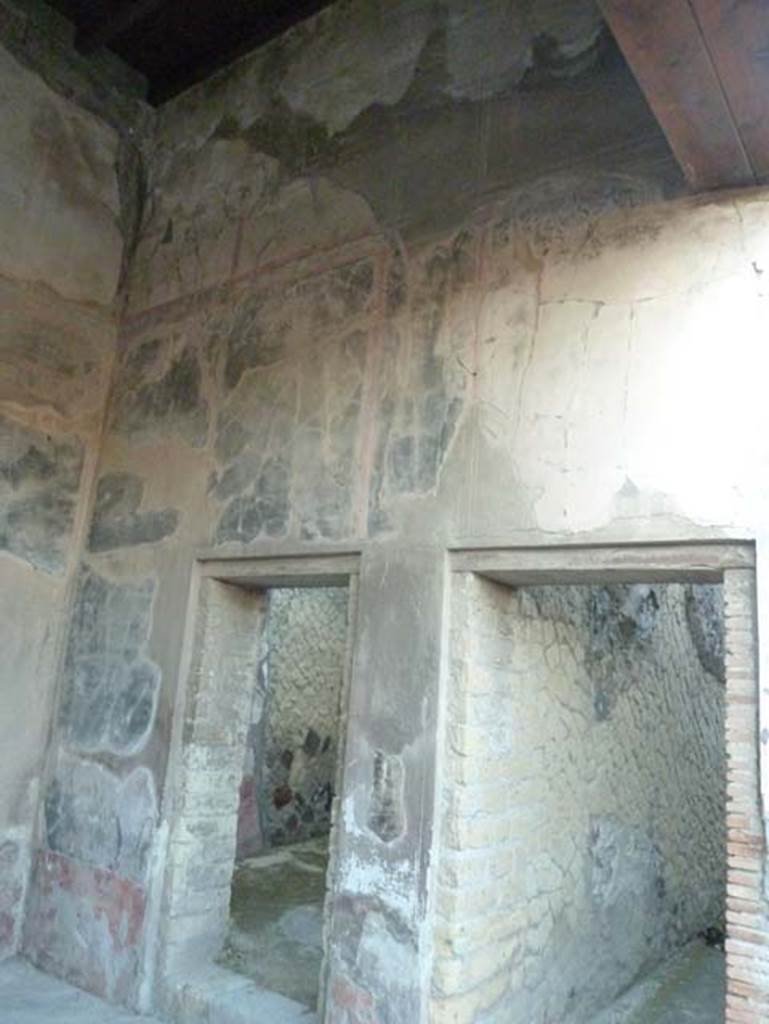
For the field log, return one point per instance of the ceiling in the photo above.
(702, 64)
(175, 43)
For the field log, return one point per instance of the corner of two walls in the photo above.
(61, 255)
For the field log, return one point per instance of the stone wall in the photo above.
(61, 251)
(291, 761)
(583, 809)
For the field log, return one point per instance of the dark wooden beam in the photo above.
(663, 42)
(127, 14)
(737, 36)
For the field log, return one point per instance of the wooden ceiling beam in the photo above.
(664, 44)
(737, 36)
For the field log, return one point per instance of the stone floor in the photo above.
(29, 997)
(276, 920)
(688, 989)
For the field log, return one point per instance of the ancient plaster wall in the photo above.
(291, 761)
(378, 301)
(583, 810)
(60, 257)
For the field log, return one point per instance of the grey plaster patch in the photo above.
(94, 816)
(160, 391)
(705, 615)
(419, 415)
(264, 511)
(292, 369)
(117, 521)
(622, 621)
(246, 341)
(39, 482)
(378, 69)
(386, 817)
(111, 685)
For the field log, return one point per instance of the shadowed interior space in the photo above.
(275, 934)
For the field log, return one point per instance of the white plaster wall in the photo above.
(583, 813)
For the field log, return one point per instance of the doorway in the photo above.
(258, 770)
(287, 793)
(592, 713)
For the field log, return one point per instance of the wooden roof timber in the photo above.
(704, 68)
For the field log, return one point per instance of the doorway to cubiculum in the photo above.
(591, 717)
(257, 782)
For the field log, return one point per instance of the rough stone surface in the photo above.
(705, 615)
(293, 748)
(39, 486)
(583, 806)
(29, 996)
(110, 684)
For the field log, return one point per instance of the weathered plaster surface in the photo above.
(61, 253)
(526, 377)
(60, 194)
(583, 806)
(110, 685)
(400, 307)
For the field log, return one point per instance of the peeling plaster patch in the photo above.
(292, 366)
(622, 621)
(14, 868)
(386, 815)
(87, 924)
(361, 873)
(497, 29)
(59, 187)
(332, 82)
(39, 482)
(626, 884)
(264, 511)
(705, 615)
(421, 398)
(111, 685)
(117, 521)
(244, 338)
(93, 816)
(160, 392)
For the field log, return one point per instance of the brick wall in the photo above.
(747, 944)
(582, 816)
(201, 853)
